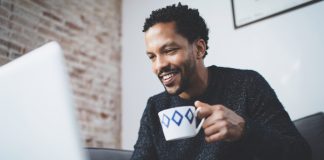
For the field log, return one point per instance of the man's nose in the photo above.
(160, 63)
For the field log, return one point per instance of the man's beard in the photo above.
(184, 84)
(185, 78)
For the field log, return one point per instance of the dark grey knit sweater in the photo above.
(269, 133)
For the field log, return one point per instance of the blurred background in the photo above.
(111, 74)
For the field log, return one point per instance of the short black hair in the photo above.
(188, 22)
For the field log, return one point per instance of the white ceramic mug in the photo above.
(179, 122)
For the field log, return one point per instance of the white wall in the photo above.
(287, 50)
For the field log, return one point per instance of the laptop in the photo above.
(37, 113)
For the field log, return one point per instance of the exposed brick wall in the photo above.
(90, 32)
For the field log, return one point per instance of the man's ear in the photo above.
(201, 48)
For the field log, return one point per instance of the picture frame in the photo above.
(246, 12)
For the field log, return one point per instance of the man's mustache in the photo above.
(168, 70)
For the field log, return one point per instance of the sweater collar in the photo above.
(210, 85)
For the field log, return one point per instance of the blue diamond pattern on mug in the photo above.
(190, 116)
(165, 120)
(177, 118)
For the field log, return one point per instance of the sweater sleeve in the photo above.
(144, 148)
(269, 132)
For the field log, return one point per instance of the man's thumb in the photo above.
(204, 109)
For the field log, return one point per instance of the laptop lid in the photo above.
(37, 114)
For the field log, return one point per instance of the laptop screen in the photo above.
(37, 116)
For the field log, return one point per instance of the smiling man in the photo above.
(244, 118)
(174, 61)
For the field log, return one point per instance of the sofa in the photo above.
(311, 127)
(108, 154)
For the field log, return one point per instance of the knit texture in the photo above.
(269, 133)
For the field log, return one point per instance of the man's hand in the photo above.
(221, 124)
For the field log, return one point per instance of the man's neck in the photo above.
(198, 86)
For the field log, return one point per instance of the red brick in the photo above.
(78, 71)
(64, 30)
(29, 32)
(4, 60)
(14, 55)
(73, 26)
(71, 58)
(89, 140)
(22, 21)
(67, 43)
(48, 33)
(29, 5)
(4, 43)
(4, 22)
(99, 39)
(9, 6)
(115, 57)
(45, 22)
(4, 33)
(76, 76)
(10, 45)
(3, 12)
(52, 16)
(41, 3)
(83, 54)
(15, 27)
(16, 47)
(85, 20)
(104, 115)
(88, 64)
(20, 39)
(4, 52)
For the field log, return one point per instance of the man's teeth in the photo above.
(167, 76)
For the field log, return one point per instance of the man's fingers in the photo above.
(204, 109)
(214, 118)
(219, 136)
(215, 128)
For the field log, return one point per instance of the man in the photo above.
(244, 119)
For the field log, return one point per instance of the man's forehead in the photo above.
(161, 28)
(162, 35)
(160, 44)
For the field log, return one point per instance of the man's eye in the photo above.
(171, 50)
(151, 57)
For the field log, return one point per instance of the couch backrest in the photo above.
(312, 129)
(108, 154)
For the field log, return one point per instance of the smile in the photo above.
(169, 78)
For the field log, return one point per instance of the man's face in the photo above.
(172, 57)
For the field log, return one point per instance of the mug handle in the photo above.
(201, 122)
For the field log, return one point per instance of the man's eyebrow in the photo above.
(148, 53)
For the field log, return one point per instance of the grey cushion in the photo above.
(312, 129)
(108, 154)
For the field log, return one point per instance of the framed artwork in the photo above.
(246, 12)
